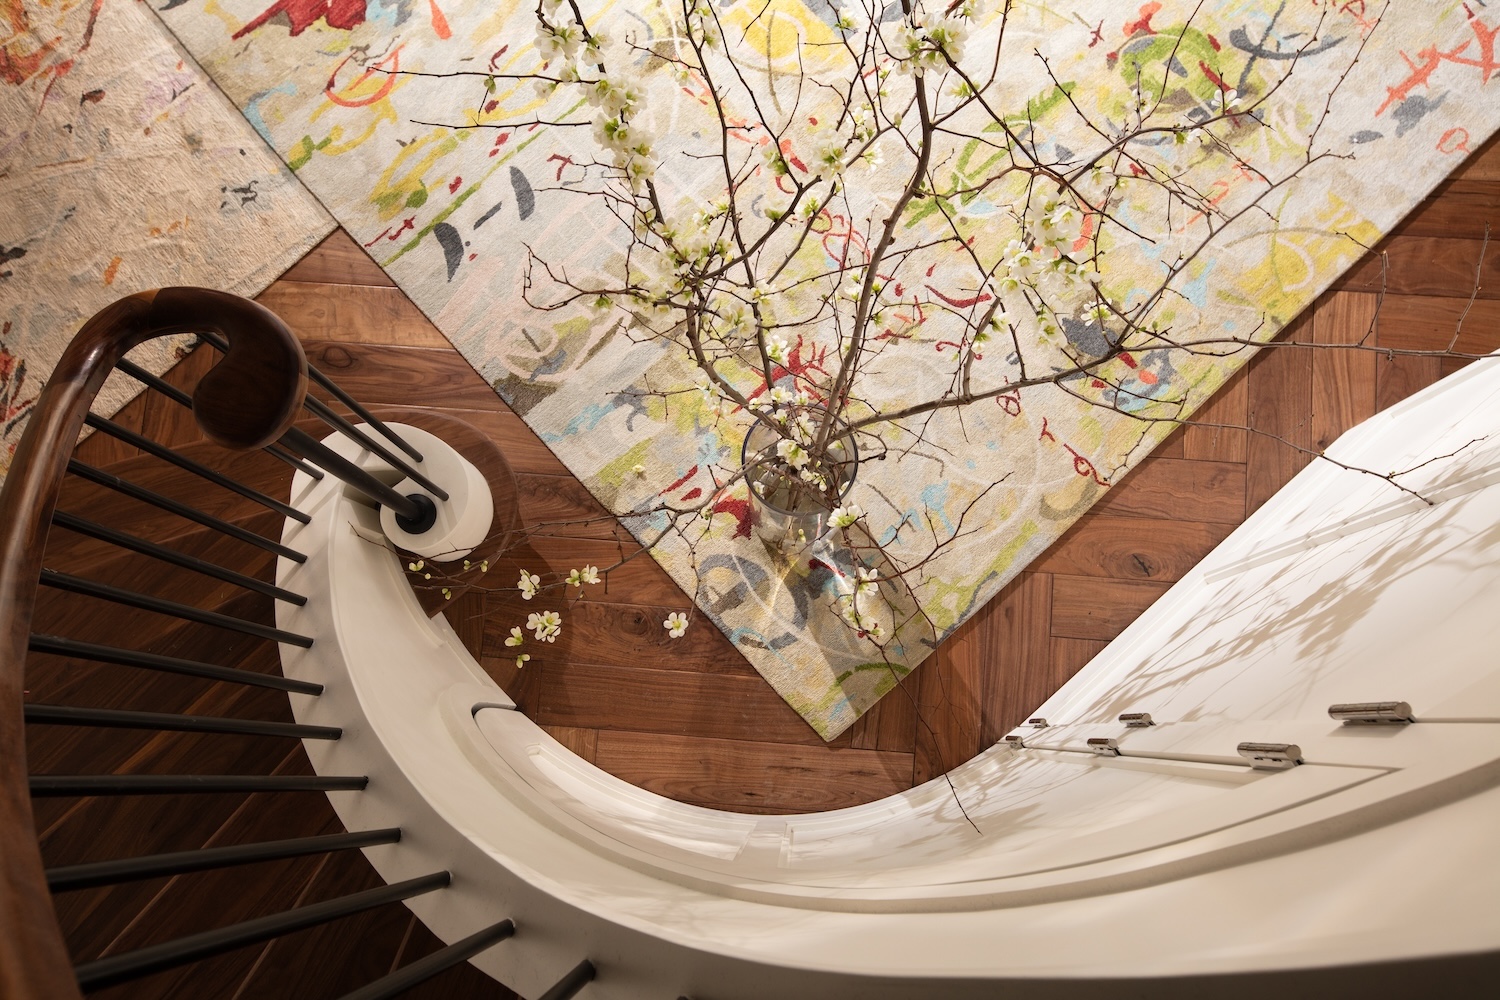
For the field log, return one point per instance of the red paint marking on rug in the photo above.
(690, 474)
(1455, 140)
(386, 234)
(456, 183)
(1148, 10)
(693, 494)
(741, 511)
(959, 303)
(1085, 233)
(300, 14)
(390, 65)
(111, 271)
(439, 22)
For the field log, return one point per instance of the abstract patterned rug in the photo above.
(121, 169)
(447, 212)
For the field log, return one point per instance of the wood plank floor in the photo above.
(692, 720)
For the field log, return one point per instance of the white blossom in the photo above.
(776, 348)
(792, 453)
(528, 584)
(843, 517)
(545, 626)
(578, 577)
(676, 624)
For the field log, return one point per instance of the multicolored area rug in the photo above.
(1341, 115)
(122, 168)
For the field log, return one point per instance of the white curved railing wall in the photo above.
(1175, 858)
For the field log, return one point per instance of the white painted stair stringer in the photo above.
(1086, 867)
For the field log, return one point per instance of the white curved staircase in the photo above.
(1162, 861)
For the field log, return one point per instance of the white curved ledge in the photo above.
(1173, 859)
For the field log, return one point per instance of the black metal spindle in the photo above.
(420, 971)
(132, 965)
(176, 395)
(568, 986)
(277, 451)
(354, 407)
(110, 718)
(96, 873)
(145, 602)
(198, 469)
(338, 393)
(47, 786)
(412, 513)
(144, 495)
(84, 526)
(78, 649)
(332, 419)
(151, 381)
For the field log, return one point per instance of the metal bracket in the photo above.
(1015, 742)
(1103, 746)
(1271, 756)
(1137, 720)
(1372, 713)
(1037, 723)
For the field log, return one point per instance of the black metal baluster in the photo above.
(86, 527)
(277, 451)
(111, 718)
(332, 419)
(132, 965)
(77, 649)
(198, 469)
(424, 969)
(48, 786)
(414, 513)
(96, 873)
(363, 414)
(144, 495)
(568, 986)
(93, 588)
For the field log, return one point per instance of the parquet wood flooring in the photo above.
(691, 719)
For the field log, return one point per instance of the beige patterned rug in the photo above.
(122, 168)
(1297, 134)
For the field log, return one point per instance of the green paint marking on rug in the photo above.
(443, 215)
(893, 672)
(453, 206)
(301, 153)
(964, 172)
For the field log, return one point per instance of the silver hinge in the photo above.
(1015, 742)
(1271, 756)
(1037, 723)
(1361, 713)
(1103, 746)
(1137, 720)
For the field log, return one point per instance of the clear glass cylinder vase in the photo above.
(787, 511)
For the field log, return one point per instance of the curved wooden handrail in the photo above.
(246, 401)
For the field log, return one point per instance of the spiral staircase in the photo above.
(254, 763)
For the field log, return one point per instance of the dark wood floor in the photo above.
(692, 720)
